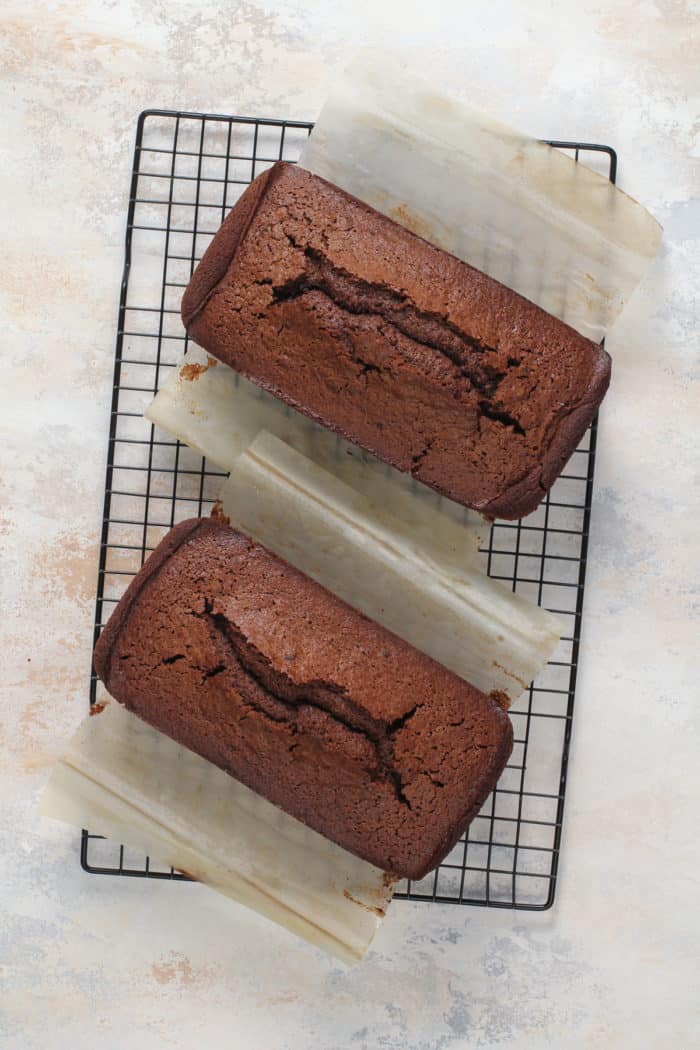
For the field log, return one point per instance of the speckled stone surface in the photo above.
(85, 960)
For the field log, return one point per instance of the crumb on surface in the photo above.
(194, 370)
(501, 698)
(217, 512)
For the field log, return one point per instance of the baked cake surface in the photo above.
(238, 656)
(397, 345)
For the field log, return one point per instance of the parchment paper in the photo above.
(525, 213)
(124, 779)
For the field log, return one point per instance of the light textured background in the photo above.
(145, 965)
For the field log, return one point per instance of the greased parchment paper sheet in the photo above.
(124, 779)
(553, 230)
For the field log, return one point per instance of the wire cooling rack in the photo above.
(188, 171)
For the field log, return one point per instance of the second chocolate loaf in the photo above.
(235, 654)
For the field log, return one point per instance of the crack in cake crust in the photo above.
(433, 332)
(280, 698)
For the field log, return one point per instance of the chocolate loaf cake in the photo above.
(235, 654)
(400, 347)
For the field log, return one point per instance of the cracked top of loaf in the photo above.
(397, 345)
(235, 654)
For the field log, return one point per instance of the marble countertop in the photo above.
(150, 965)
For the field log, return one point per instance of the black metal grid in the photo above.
(188, 171)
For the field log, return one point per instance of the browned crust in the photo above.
(487, 784)
(526, 495)
(222, 250)
(102, 656)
